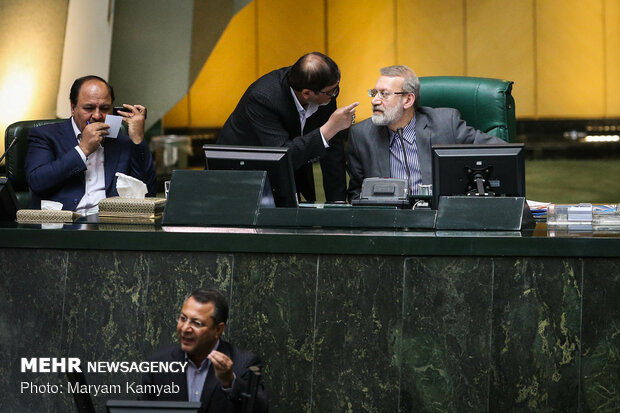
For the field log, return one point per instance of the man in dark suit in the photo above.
(375, 148)
(295, 107)
(73, 162)
(217, 372)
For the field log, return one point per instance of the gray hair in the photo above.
(411, 83)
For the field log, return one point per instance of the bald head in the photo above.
(313, 71)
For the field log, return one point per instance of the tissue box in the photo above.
(130, 210)
(38, 216)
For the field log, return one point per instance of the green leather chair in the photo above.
(16, 157)
(485, 104)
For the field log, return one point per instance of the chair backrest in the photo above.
(16, 157)
(485, 104)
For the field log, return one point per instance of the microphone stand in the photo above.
(399, 131)
(249, 397)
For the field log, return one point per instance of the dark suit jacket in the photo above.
(368, 151)
(214, 399)
(266, 115)
(55, 170)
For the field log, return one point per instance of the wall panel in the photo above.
(178, 116)
(31, 44)
(612, 58)
(500, 44)
(281, 39)
(564, 56)
(227, 73)
(430, 37)
(569, 58)
(140, 60)
(361, 39)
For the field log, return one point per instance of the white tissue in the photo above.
(51, 205)
(130, 187)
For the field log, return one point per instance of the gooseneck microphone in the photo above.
(402, 144)
(9, 148)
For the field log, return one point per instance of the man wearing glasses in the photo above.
(295, 107)
(375, 148)
(217, 372)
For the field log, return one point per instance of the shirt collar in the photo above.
(306, 113)
(408, 132)
(76, 130)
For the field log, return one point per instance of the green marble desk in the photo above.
(346, 320)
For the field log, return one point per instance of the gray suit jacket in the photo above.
(368, 152)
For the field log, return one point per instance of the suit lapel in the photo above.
(68, 141)
(211, 382)
(67, 130)
(423, 135)
(291, 118)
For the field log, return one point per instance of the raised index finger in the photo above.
(352, 106)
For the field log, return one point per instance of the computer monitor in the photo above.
(276, 161)
(135, 406)
(478, 170)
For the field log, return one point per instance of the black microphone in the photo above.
(402, 144)
(9, 148)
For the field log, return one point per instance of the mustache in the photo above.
(377, 107)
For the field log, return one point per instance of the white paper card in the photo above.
(115, 125)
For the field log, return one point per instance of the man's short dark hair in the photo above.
(211, 295)
(313, 71)
(77, 85)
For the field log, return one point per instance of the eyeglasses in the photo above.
(192, 322)
(384, 95)
(332, 93)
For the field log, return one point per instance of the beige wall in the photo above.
(31, 44)
(563, 55)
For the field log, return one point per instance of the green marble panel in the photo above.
(123, 305)
(273, 315)
(536, 335)
(32, 294)
(172, 276)
(358, 313)
(600, 360)
(337, 332)
(446, 331)
(106, 296)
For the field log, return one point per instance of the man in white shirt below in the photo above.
(74, 162)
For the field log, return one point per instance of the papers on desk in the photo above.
(584, 214)
(539, 209)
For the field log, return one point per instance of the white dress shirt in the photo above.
(304, 114)
(397, 158)
(94, 177)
